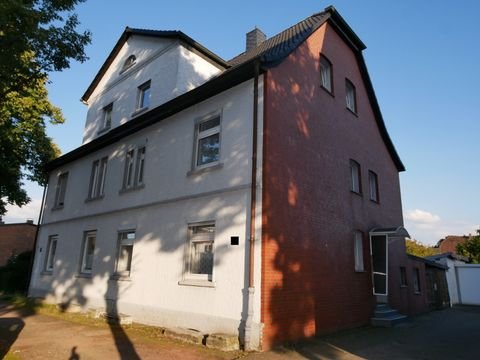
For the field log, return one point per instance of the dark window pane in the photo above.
(208, 149)
(209, 124)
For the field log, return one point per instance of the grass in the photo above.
(137, 332)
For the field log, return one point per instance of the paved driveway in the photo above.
(447, 334)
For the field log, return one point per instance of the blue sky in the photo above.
(422, 57)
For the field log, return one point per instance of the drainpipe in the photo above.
(253, 203)
(32, 258)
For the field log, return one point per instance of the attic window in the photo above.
(129, 63)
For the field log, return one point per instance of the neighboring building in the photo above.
(451, 261)
(16, 239)
(240, 196)
(449, 244)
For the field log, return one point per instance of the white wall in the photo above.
(468, 277)
(171, 68)
(160, 212)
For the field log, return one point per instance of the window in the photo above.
(403, 276)
(134, 168)
(356, 185)
(207, 147)
(200, 254)
(326, 74)
(350, 96)
(50, 254)
(358, 251)
(60, 190)
(373, 186)
(97, 178)
(416, 280)
(88, 250)
(129, 62)
(126, 240)
(143, 96)
(107, 117)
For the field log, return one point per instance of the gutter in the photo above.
(253, 204)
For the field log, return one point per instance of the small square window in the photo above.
(358, 251)
(107, 117)
(351, 96)
(326, 74)
(126, 241)
(143, 96)
(50, 254)
(207, 148)
(97, 178)
(200, 252)
(355, 177)
(60, 190)
(88, 251)
(373, 186)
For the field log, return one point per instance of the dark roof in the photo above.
(428, 262)
(447, 255)
(270, 53)
(168, 34)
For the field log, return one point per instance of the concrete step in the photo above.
(385, 313)
(192, 336)
(388, 322)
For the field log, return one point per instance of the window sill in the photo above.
(103, 131)
(356, 193)
(328, 91)
(119, 277)
(198, 283)
(58, 207)
(84, 276)
(130, 189)
(87, 200)
(351, 111)
(139, 111)
(360, 271)
(417, 293)
(375, 201)
(46, 273)
(205, 169)
(403, 286)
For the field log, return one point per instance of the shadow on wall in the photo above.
(309, 283)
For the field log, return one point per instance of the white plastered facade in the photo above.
(174, 196)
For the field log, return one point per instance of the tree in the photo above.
(471, 248)
(36, 37)
(416, 248)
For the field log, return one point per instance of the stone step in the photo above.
(187, 335)
(388, 321)
(385, 313)
(224, 342)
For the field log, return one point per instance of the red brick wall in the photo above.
(449, 244)
(15, 239)
(309, 285)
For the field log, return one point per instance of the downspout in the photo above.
(32, 258)
(253, 204)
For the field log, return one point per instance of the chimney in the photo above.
(29, 221)
(1, 221)
(255, 38)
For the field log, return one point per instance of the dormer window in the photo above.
(129, 63)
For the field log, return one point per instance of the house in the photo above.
(16, 238)
(257, 196)
(450, 242)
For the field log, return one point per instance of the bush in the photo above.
(14, 275)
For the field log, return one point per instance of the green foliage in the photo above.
(416, 248)
(14, 275)
(36, 37)
(471, 248)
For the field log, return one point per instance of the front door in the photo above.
(379, 252)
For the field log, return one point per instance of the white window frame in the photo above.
(124, 240)
(326, 74)
(134, 171)
(97, 178)
(50, 253)
(88, 236)
(358, 251)
(355, 177)
(350, 96)
(144, 94)
(373, 186)
(60, 190)
(107, 114)
(203, 134)
(196, 239)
